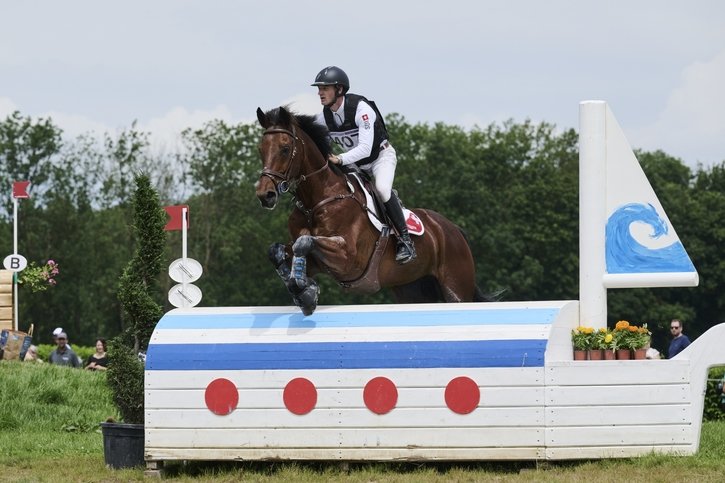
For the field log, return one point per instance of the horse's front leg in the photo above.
(300, 249)
(304, 296)
(328, 251)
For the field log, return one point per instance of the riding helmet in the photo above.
(332, 76)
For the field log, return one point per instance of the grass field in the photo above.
(49, 432)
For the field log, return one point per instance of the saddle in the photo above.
(375, 206)
(368, 282)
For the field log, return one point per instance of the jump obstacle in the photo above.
(473, 381)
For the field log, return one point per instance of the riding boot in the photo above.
(405, 251)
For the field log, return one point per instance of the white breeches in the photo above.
(383, 172)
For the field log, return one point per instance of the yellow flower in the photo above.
(608, 338)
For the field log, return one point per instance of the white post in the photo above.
(184, 277)
(15, 274)
(592, 213)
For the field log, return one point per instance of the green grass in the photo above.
(49, 432)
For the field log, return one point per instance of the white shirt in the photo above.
(357, 143)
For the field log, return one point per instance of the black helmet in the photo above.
(332, 76)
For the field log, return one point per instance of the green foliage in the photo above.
(136, 290)
(47, 398)
(714, 397)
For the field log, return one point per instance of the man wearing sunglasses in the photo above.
(679, 340)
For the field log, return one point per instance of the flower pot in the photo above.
(624, 354)
(580, 355)
(595, 354)
(640, 353)
(609, 355)
(123, 445)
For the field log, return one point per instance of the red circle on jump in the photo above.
(462, 395)
(380, 395)
(221, 396)
(300, 396)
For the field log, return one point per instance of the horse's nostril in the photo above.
(271, 195)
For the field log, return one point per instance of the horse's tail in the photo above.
(494, 296)
(478, 295)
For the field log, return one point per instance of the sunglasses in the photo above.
(673, 327)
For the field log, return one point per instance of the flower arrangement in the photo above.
(39, 278)
(582, 338)
(628, 336)
(604, 343)
(603, 339)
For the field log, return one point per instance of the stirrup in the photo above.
(405, 252)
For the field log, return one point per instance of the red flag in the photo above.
(175, 214)
(20, 189)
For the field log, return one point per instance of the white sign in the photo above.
(15, 263)
(182, 270)
(185, 295)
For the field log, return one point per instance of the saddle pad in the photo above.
(415, 225)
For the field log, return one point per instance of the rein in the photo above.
(282, 181)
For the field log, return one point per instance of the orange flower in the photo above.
(621, 325)
(632, 328)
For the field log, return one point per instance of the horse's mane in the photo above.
(319, 133)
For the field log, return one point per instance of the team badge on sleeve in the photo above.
(366, 122)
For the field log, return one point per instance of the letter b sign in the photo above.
(15, 263)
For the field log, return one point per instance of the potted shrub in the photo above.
(596, 351)
(581, 339)
(623, 340)
(123, 442)
(641, 342)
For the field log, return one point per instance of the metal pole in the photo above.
(15, 274)
(183, 255)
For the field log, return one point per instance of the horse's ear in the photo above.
(262, 118)
(285, 117)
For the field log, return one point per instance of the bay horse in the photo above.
(332, 234)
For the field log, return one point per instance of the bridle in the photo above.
(281, 181)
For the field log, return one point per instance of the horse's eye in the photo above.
(284, 150)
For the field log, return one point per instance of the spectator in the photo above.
(32, 354)
(679, 340)
(56, 331)
(63, 355)
(721, 388)
(98, 361)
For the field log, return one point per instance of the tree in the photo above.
(136, 290)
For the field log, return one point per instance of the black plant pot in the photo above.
(123, 445)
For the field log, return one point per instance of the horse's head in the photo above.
(279, 148)
(287, 160)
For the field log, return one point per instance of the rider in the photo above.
(356, 125)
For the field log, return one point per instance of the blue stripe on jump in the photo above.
(346, 355)
(359, 319)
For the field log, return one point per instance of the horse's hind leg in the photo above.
(423, 290)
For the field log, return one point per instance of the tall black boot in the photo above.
(405, 251)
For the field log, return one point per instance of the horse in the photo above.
(332, 234)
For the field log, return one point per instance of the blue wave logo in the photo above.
(624, 254)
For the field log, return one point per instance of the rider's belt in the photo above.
(384, 144)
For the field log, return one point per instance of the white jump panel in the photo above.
(420, 381)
